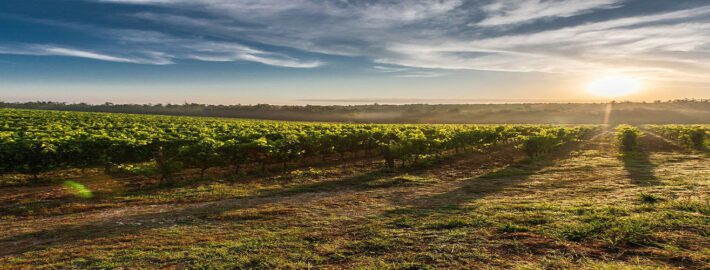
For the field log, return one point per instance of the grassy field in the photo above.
(677, 111)
(586, 206)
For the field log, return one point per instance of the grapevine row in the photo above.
(692, 136)
(33, 142)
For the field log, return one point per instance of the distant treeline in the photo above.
(659, 112)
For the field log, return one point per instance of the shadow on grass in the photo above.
(137, 185)
(638, 162)
(479, 187)
(639, 167)
(122, 225)
(197, 213)
(131, 224)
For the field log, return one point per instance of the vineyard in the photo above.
(83, 190)
(692, 136)
(34, 142)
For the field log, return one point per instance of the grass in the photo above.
(649, 198)
(512, 228)
(454, 223)
(694, 205)
(584, 208)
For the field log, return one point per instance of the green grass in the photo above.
(454, 223)
(581, 209)
(649, 198)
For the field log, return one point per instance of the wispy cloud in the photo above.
(386, 69)
(155, 48)
(48, 50)
(505, 12)
(55, 50)
(421, 74)
(419, 37)
(407, 72)
(211, 51)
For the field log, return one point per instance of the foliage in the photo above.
(692, 136)
(628, 136)
(546, 140)
(34, 142)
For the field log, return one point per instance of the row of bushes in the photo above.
(33, 142)
(691, 136)
(546, 141)
(627, 137)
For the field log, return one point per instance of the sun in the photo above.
(614, 86)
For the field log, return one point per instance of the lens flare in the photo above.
(78, 189)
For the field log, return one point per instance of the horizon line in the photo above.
(375, 101)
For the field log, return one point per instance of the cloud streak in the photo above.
(633, 43)
(152, 55)
(406, 72)
(152, 48)
(55, 50)
(210, 51)
(415, 38)
(505, 12)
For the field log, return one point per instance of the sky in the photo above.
(350, 51)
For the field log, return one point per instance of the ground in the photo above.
(586, 206)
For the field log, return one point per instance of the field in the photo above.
(112, 191)
(667, 112)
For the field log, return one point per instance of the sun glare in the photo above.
(614, 86)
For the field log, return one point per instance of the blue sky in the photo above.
(320, 51)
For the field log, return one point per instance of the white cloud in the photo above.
(421, 74)
(365, 11)
(83, 54)
(504, 12)
(151, 44)
(666, 44)
(430, 34)
(210, 51)
(406, 72)
(387, 69)
(284, 62)
(53, 50)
